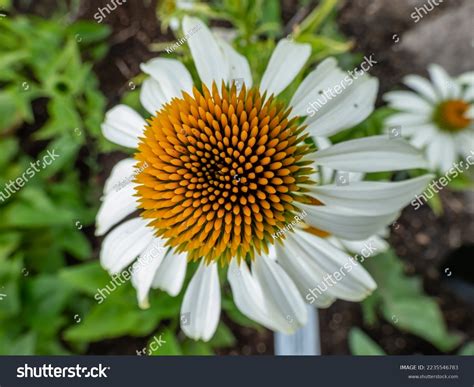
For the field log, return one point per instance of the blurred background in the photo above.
(62, 67)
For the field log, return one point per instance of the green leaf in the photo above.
(33, 209)
(467, 350)
(197, 348)
(87, 277)
(9, 241)
(223, 337)
(170, 347)
(403, 303)
(75, 243)
(362, 345)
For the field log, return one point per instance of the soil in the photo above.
(426, 243)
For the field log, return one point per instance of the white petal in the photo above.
(304, 271)
(347, 109)
(144, 269)
(115, 207)
(286, 62)
(408, 101)
(344, 223)
(171, 75)
(209, 59)
(202, 301)
(248, 296)
(324, 76)
(123, 125)
(406, 120)
(380, 245)
(124, 244)
(466, 79)
(421, 86)
(441, 152)
(121, 173)
(285, 303)
(321, 258)
(151, 96)
(325, 174)
(421, 135)
(118, 200)
(170, 276)
(371, 197)
(371, 154)
(445, 86)
(238, 64)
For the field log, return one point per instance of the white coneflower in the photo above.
(227, 168)
(438, 117)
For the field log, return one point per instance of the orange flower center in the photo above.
(222, 172)
(450, 115)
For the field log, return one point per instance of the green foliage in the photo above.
(47, 65)
(401, 301)
(362, 345)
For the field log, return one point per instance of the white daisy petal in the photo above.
(445, 86)
(420, 135)
(370, 154)
(406, 120)
(371, 197)
(118, 200)
(286, 306)
(466, 79)
(422, 86)
(202, 301)
(115, 207)
(125, 243)
(151, 96)
(325, 174)
(357, 101)
(121, 173)
(408, 101)
(286, 62)
(238, 64)
(248, 296)
(144, 269)
(123, 125)
(344, 223)
(324, 76)
(380, 245)
(209, 59)
(323, 261)
(171, 74)
(171, 273)
(469, 94)
(304, 270)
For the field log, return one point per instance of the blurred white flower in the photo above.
(437, 117)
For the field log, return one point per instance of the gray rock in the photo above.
(447, 40)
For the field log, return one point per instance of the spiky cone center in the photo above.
(451, 115)
(222, 172)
